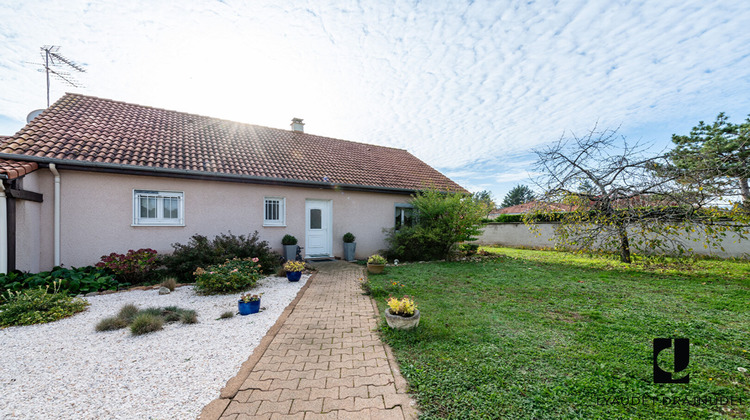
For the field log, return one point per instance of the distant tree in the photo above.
(485, 198)
(716, 157)
(631, 203)
(520, 194)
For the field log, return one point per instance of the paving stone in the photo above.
(315, 405)
(353, 392)
(242, 408)
(374, 402)
(324, 393)
(391, 414)
(280, 407)
(294, 394)
(331, 415)
(330, 404)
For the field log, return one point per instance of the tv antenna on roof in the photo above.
(52, 60)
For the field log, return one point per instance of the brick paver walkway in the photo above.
(325, 362)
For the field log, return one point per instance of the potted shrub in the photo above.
(376, 264)
(294, 270)
(290, 247)
(402, 314)
(249, 304)
(349, 246)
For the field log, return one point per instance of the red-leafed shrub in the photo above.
(135, 267)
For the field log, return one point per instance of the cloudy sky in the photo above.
(470, 87)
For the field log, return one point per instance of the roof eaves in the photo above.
(192, 174)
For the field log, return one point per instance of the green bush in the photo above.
(443, 219)
(145, 323)
(135, 267)
(233, 276)
(509, 218)
(202, 252)
(468, 249)
(72, 281)
(288, 240)
(226, 315)
(37, 306)
(349, 237)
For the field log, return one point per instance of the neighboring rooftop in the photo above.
(527, 207)
(82, 129)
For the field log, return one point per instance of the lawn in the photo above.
(544, 334)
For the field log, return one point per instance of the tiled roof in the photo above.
(527, 207)
(14, 169)
(87, 129)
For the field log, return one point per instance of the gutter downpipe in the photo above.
(3, 229)
(57, 214)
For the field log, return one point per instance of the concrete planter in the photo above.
(399, 322)
(375, 268)
(349, 248)
(290, 252)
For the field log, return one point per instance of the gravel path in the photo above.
(67, 370)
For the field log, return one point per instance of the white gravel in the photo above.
(67, 370)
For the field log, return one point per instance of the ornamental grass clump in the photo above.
(405, 306)
(232, 276)
(146, 320)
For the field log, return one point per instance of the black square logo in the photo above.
(681, 360)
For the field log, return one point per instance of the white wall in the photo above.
(519, 235)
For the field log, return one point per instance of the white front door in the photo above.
(318, 229)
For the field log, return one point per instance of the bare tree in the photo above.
(630, 203)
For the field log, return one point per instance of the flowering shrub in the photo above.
(376, 259)
(135, 267)
(232, 276)
(404, 306)
(292, 266)
(247, 297)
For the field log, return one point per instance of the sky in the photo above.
(469, 87)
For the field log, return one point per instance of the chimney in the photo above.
(297, 125)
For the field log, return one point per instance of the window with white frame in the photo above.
(274, 211)
(158, 208)
(405, 215)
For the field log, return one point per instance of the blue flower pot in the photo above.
(249, 307)
(293, 275)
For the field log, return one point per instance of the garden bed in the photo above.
(66, 369)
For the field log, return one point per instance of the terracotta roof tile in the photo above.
(15, 169)
(85, 128)
(527, 207)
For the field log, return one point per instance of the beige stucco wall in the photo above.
(97, 209)
(519, 235)
(29, 232)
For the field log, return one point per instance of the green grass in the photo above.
(543, 334)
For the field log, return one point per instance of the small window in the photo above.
(404, 216)
(274, 211)
(158, 208)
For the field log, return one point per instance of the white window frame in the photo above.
(399, 207)
(281, 221)
(159, 220)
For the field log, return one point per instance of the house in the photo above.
(90, 176)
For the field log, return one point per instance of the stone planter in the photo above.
(375, 268)
(399, 322)
(290, 252)
(349, 248)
